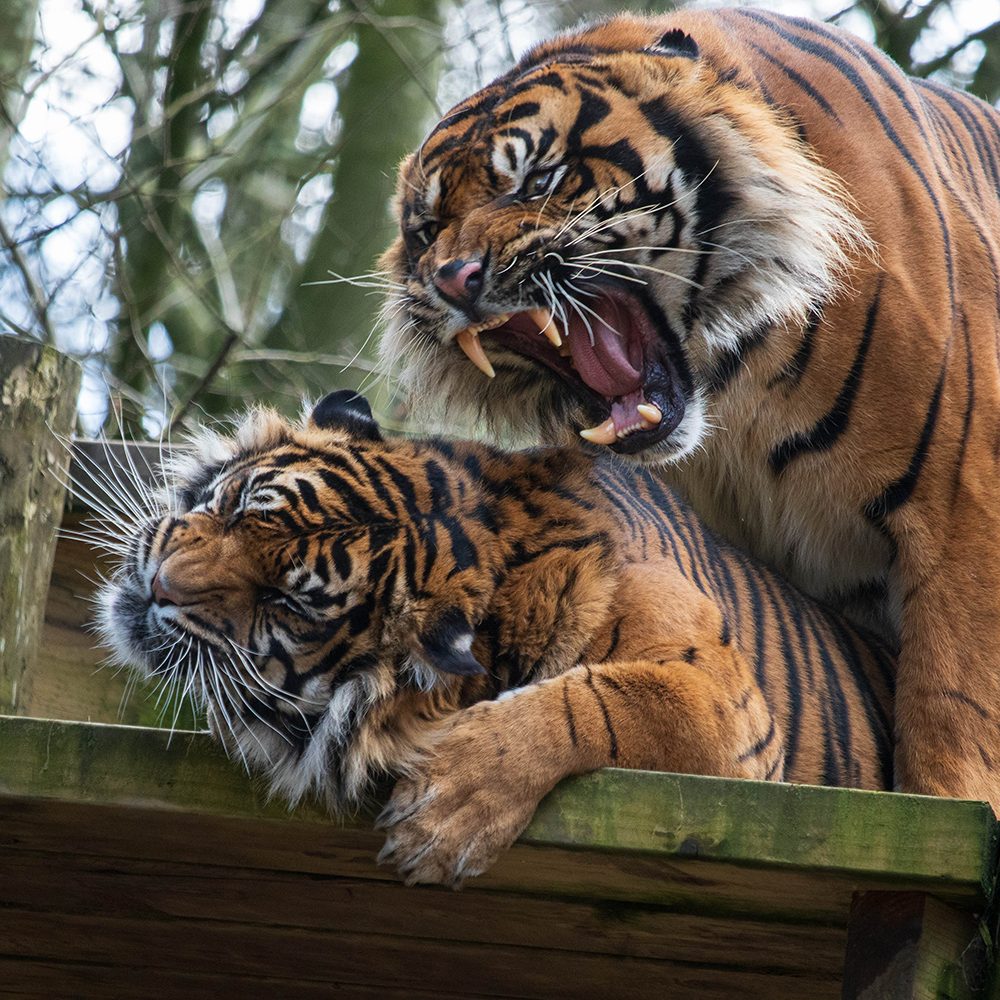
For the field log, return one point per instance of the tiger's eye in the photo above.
(426, 234)
(538, 182)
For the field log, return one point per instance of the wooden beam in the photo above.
(38, 388)
(127, 854)
(906, 841)
(910, 946)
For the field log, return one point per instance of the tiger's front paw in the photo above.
(461, 807)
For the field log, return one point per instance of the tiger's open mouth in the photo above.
(609, 354)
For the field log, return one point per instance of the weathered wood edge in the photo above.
(944, 846)
(38, 389)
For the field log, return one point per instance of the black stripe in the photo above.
(847, 69)
(592, 111)
(825, 433)
(713, 197)
(616, 632)
(568, 712)
(836, 725)
(612, 735)
(792, 373)
(730, 361)
(760, 746)
(878, 722)
(897, 493)
(970, 401)
(944, 126)
(798, 79)
(964, 699)
(750, 577)
(780, 599)
(520, 111)
(980, 141)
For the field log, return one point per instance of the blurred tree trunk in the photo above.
(386, 105)
(16, 39)
(151, 221)
(986, 80)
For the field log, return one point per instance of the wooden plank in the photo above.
(729, 891)
(945, 845)
(910, 946)
(88, 980)
(130, 889)
(137, 844)
(948, 843)
(38, 388)
(491, 970)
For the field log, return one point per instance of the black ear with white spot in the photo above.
(346, 410)
(447, 646)
(676, 43)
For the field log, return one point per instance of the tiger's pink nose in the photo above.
(162, 593)
(460, 280)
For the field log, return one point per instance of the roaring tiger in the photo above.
(748, 249)
(340, 603)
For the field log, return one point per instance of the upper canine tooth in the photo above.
(546, 323)
(468, 340)
(650, 413)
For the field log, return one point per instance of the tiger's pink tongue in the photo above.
(601, 354)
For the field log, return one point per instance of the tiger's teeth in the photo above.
(650, 413)
(490, 323)
(601, 434)
(546, 323)
(468, 340)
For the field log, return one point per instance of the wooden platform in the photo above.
(132, 865)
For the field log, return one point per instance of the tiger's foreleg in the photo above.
(488, 766)
(948, 684)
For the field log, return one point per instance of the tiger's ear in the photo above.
(346, 410)
(446, 645)
(676, 43)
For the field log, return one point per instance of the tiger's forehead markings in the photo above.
(482, 108)
(494, 144)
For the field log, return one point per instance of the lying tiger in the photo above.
(340, 603)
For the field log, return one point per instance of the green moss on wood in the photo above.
(940, 841)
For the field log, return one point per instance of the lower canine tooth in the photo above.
(601, 434)
(651, 414)
(469, 342)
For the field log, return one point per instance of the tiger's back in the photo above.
(680, 594)
(829, 685)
